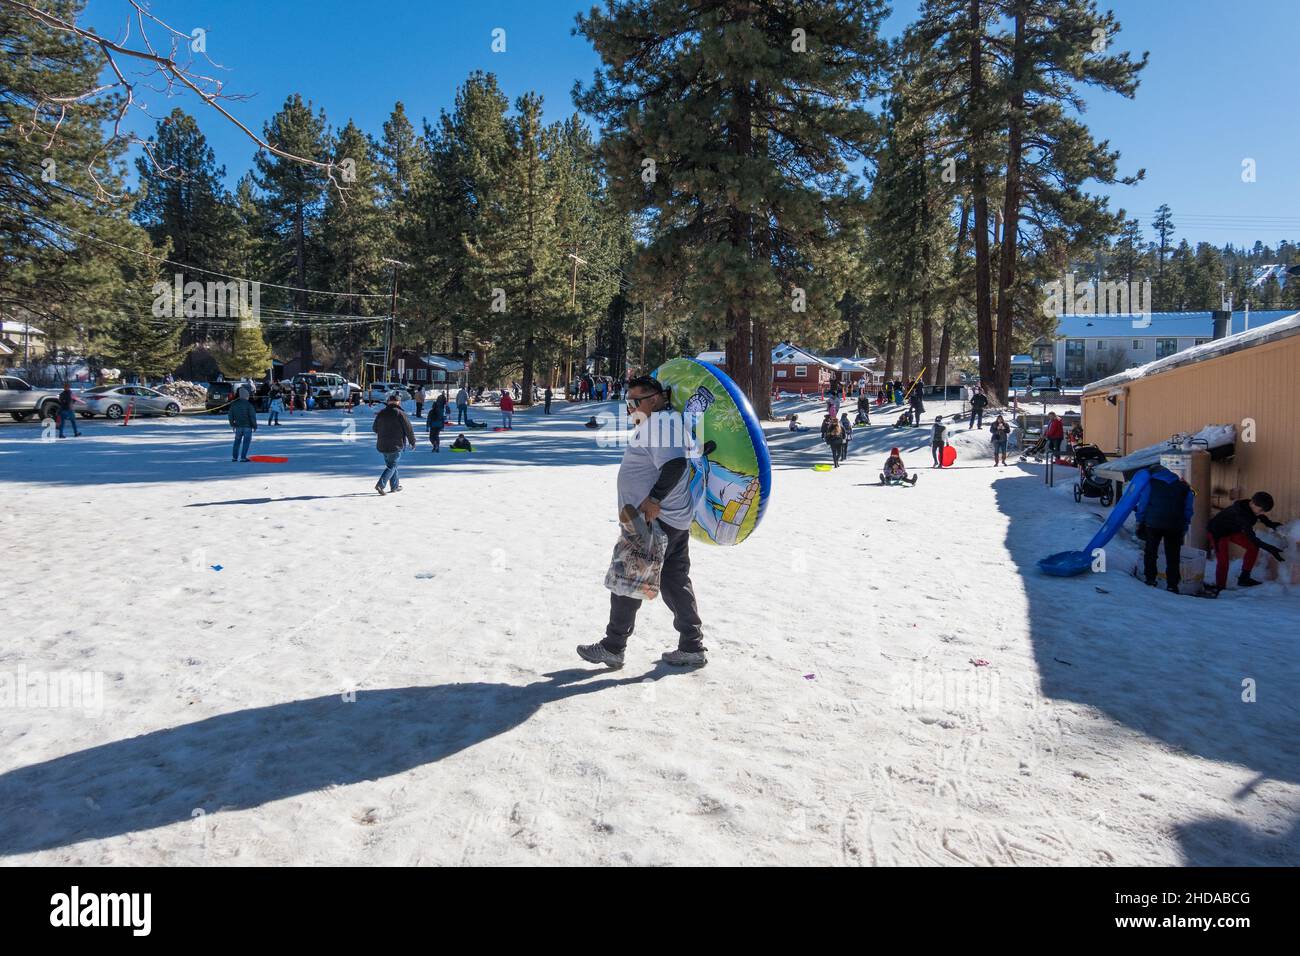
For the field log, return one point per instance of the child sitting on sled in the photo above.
(895, 472)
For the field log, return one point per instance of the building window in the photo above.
(1166, 347)
(780, 373)
(1074, 346)
(1138, 345)
(801, 371)
(1201, 341)
(1101, 344)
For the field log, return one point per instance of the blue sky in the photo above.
(1220, 88)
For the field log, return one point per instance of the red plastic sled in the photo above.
(948, 456)
(273, 459)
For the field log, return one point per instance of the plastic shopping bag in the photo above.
(635, 567)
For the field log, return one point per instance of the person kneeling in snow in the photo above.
(654, 480)
(1164, 513)
(1235, 524)
(895, 472)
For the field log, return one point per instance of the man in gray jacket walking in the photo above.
(243, 419)
(394, 432)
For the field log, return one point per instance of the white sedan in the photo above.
(112, 401)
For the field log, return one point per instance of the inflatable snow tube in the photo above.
(732, 483)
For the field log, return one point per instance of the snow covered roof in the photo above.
(5, 350)
(1257, 335)
(443, 362)
(1198, 325)
(713, 358)
(8, 327)
(1120, 469)
(843, 364)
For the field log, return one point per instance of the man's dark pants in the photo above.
(1173, 541)
(674, 587)
(976, 419)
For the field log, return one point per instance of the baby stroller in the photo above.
(1037, 451)
(1091, 485)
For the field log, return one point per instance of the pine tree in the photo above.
(519, 268)
(1163, 225)
(353, 240)
(744, 176)
(250, 357)
(291, 199)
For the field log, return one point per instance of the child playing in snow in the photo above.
(795, 426)
(895, 472)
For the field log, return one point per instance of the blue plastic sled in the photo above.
(1065, 564)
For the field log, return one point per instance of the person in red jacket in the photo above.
(507, 408)
(1054, 433)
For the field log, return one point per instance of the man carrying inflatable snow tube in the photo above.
(654, 480)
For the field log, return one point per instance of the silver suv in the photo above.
(22, 401)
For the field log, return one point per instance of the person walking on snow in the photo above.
(1235, 524)
(1001, 433)
(437, 418)
(546, 398)
(68, 411)
(462, 406)
(507, 409)
(1164, 513)
(833, 436)
(419, 402)
(978, 402)
(274, 408)
(393, 433)
(847, 431)
(938, 440)
(654, 480)
(864, 408)
(917, 405)
(243, 419)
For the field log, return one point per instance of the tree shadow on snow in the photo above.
(252, 757)
(1169, 666)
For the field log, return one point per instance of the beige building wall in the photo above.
(1259, 385)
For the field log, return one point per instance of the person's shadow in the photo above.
(251, 757)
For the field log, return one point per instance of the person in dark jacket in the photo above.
(1001, 432)
(917, 405)
(1164, 512)
(978, 402)
(394, 432)
(243, 419)
(68, 411)
(833, 436)
(435, 423)
(864, 407)
(546, 398)
(847, 431)
(938, 441)
(1235, 524)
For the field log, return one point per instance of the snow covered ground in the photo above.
(392, 680)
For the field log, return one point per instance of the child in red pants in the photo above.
(1235, 524)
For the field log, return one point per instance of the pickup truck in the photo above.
(22, 401)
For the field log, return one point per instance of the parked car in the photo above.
(112, 401)
(326, 388)
(379, 391)
(22, 401)
(1049, 394)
